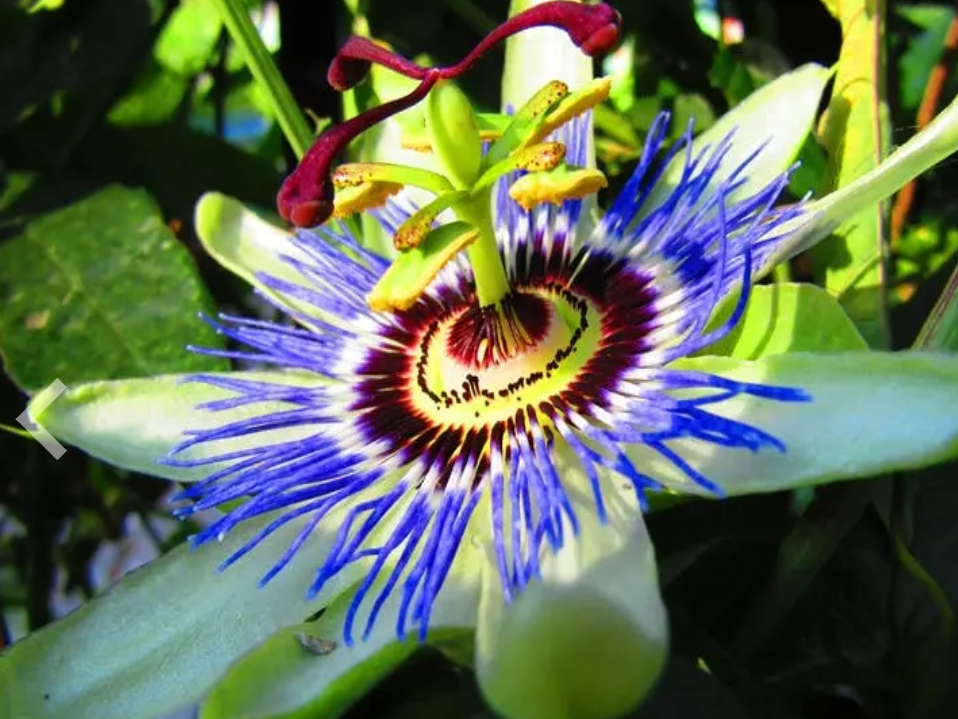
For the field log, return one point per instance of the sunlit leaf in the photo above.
(100, 289)
(161, 638)
(308, 671)
(785, 317)
(189, 37)
(923, 50)
(856, 132)
(154, 97)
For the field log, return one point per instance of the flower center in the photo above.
(483, 364)
(449, 376)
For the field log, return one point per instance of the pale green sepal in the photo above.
(134, 423)
(247, 245)
(283, 679)
(160, 639)
(926, 149)
(776, 118)
(589, 640)
(787, 317)
(870, 413)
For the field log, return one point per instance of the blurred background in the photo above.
(116, 115)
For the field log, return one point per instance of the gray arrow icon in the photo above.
(42, 401)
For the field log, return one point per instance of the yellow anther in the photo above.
(412, 272)
(569, 108)
(548, 95)
(412, 233)
(350, 200)
(534, 189)
(414, 230)
(541, 158)
(353, 174)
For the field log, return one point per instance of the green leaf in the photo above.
(779, 114)
(787, 317)
(189, 37)
(178, 164)
(161, 638)
(590, 638)
(923, 50)
(870, 413)
(33, 6)
(308, 672)
(732, 76)
(245, 35)
(134, 423)
(691, 106)
(926, 542)
(100, 289)
(154, 98)
(856, 132)
(940, 331)
(79, 52)
(802, 554)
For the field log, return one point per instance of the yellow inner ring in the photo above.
(460, 395)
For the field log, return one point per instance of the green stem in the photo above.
(492, 283)
(19, 432)
(261, 66)
(782, 272)
(940, 331)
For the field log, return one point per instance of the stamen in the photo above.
(556, 186)
(541, 158)
(414, 231)
(364, 196)
(306, 196)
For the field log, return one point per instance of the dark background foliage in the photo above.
(115, 115)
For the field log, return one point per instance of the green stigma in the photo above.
(455, 134)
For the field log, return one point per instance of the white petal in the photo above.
(870, 412)
(589, 640)
(134, 423)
